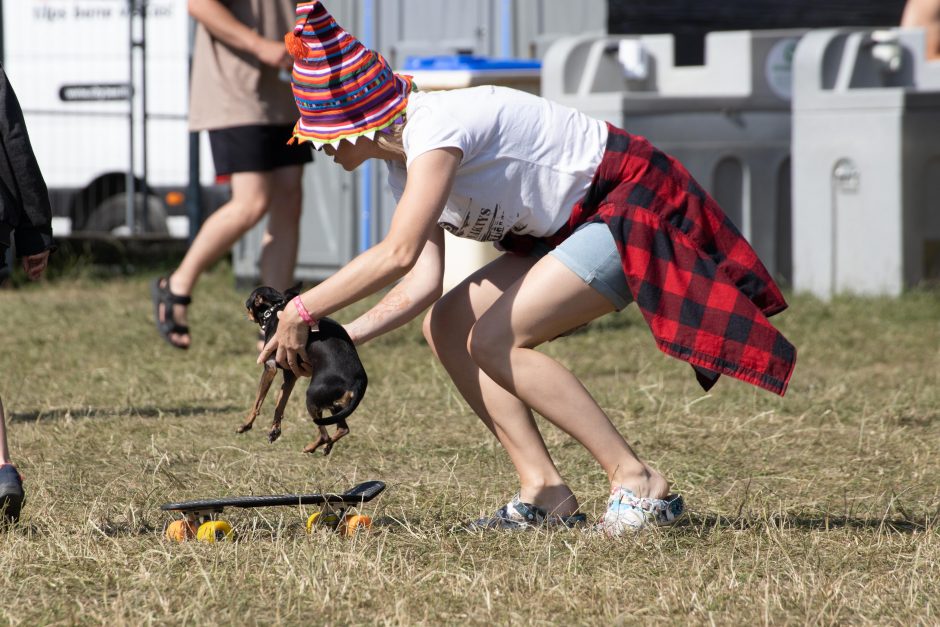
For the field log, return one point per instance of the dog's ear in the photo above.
(291, 292)
(258, 300)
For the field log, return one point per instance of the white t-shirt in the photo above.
(526, 160)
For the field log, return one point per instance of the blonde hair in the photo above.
(391, 138)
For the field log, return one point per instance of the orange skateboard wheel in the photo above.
(353, 523)
(180, 531)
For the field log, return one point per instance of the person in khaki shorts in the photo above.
(925, 14)
(238, 94)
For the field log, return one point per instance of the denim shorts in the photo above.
(591, 253)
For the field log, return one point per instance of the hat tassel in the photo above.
(295, 46)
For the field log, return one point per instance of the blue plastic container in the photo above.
(451, 62)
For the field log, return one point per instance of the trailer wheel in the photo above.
(101, 207)
(110, 216)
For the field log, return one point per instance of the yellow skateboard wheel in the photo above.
(214, 531)
(322, 519)
(353, 523)
(180, 531)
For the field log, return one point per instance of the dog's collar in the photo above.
(269, 313)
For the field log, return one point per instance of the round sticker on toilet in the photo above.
(779, 67)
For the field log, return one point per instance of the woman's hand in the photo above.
(413, 245)
(289, 344)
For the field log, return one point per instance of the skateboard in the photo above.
(200, 519)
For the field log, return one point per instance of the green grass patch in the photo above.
(821, 507)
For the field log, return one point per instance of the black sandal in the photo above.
(161, 295)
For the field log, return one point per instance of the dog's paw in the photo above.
(274, 434)
(313, 446)
(243, 428)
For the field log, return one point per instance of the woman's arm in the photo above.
(420, 288)
(224, 26)
(415, 219)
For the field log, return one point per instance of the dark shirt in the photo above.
(24, 199)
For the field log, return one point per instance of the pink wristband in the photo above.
(304, 314)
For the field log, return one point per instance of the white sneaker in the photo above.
(627, 512)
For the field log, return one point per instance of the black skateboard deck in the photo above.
(199, 517)
(362, 493)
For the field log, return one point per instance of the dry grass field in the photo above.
(819, 508)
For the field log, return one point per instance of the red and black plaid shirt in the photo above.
(701, 287)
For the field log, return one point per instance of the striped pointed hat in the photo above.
(342, 89)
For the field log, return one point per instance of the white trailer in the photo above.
(104, 89)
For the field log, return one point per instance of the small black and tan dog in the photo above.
(338, 382)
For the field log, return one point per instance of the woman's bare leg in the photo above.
(252, 195)
(447, 328)
(548, 301)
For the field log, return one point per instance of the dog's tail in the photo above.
(356, 395)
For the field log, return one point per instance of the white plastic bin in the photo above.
(866, 151)
(727, 121)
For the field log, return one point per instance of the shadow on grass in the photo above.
(72, 413)
(807, 523)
